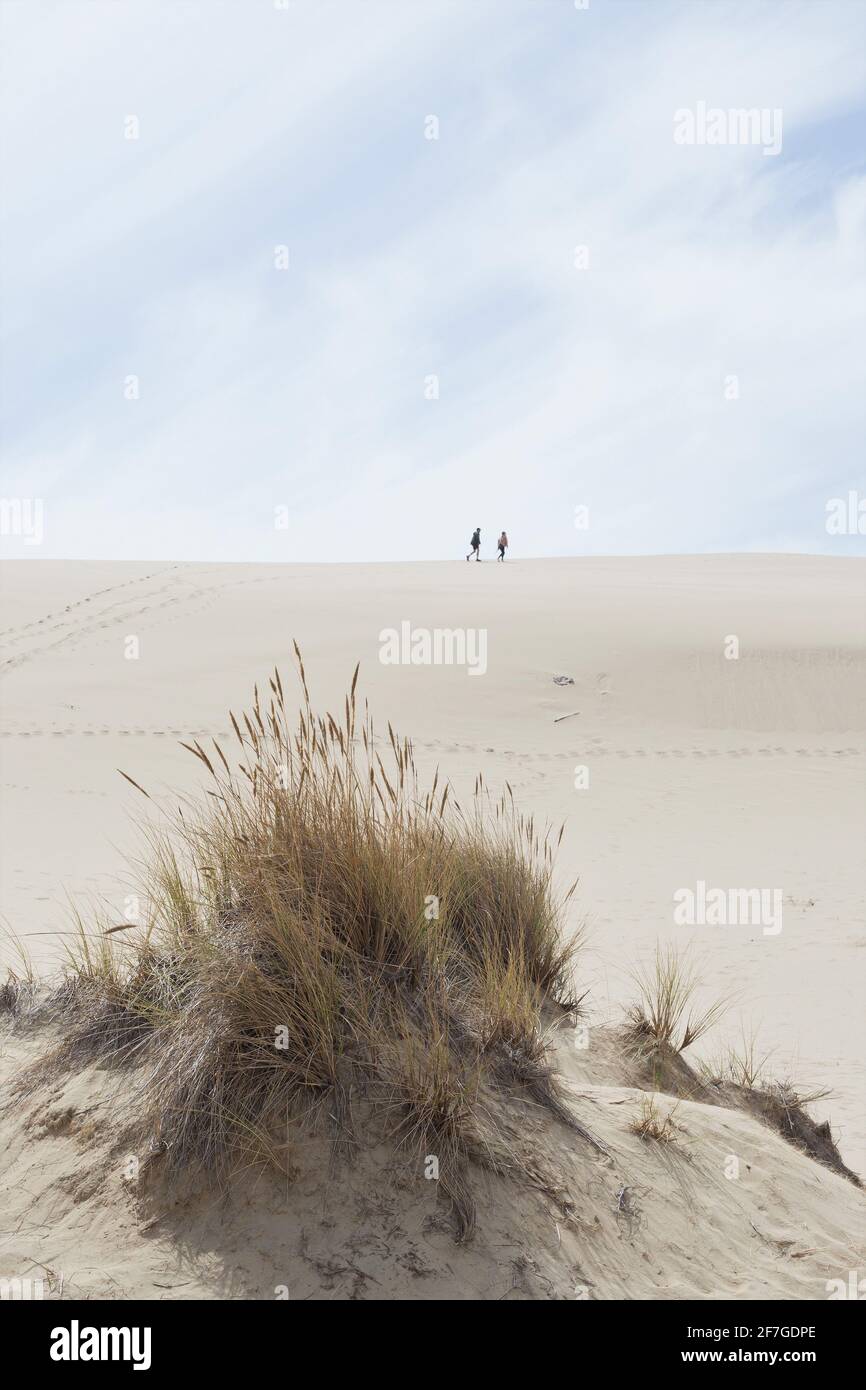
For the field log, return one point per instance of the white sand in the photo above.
(747, 773)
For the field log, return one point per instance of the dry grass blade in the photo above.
(134, 783)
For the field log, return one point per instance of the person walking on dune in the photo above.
(503, 546)
(476, 544)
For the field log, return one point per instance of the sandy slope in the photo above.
(648, 1221)
(747, 773)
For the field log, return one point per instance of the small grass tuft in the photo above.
(651, 1124)
(20, 988)
(663, 1015)
(744, 1063)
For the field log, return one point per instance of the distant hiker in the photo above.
(503, 546)
(475, 543)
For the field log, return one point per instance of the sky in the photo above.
(342, 279)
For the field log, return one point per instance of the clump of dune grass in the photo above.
(650, 1124)
(664, 1015)
(329, 942)
(743, 1063)
(19, 989)
(783, 1105)
(14, 992)
(741, 1076)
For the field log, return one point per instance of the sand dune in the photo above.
(671, 764)
(651, 1221)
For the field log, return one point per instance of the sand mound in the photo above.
(725, 1209)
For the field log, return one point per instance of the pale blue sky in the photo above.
(305, 389)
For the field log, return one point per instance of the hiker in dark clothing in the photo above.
(476, 544)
